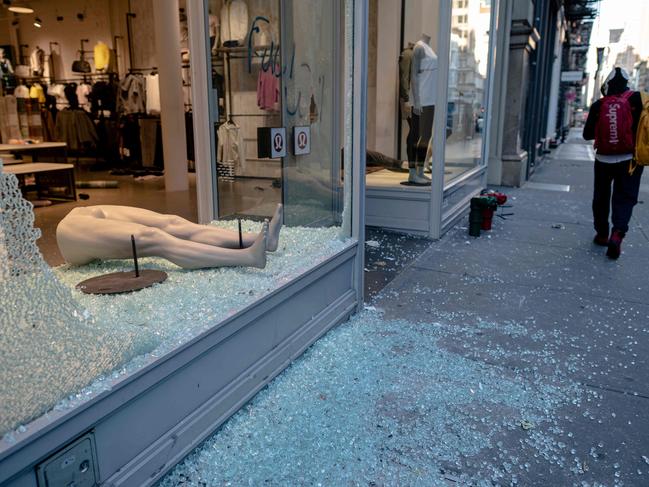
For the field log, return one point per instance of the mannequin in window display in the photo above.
(104, 232)
(423, 89)
(405, 65)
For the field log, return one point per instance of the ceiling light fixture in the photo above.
(21, 9)
(38, 22)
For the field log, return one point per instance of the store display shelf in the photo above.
(147, 421)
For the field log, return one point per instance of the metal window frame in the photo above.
(441, 220)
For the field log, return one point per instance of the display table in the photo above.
(51, 180)
(55, 150)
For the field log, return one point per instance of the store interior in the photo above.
(81, 97)
(398, 138)
(84, 80)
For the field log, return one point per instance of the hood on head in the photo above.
(616, 82)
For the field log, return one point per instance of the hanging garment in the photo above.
(4, 126)
(108, 145)
(47, 122)
(75, 128)
(103, 97)
(83, 91)
(267, 91)
(230, 144)
(13, 122)
(22, 97)
(148, 132)
(70, 91)
(129, 147)
(37, 61)
(189, 135)
(234, 23)
(47, 67)
(36, 92)
(405, 63)
(34, 120)
(132, 94)
(23, 71)
(58, 92)
(4, 122)
(21, 91)
(214, 30)
(152, 87)
(102, 56)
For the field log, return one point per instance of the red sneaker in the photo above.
(601, 239)
(615, 245)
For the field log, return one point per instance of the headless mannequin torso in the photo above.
(104, 232)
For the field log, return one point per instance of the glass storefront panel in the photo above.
(280, 97)
(284, 73)
(467, 86)
(402, 88)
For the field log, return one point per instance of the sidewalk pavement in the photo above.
(518, 358)
(539, 269)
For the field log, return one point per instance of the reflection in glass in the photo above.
(282, 72)
(468, 67)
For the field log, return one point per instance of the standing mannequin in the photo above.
(6, 72)
(405, 68)
(37, 61)
(423, 86)
(5, 64)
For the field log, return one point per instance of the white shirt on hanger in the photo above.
(230, 144)
(234, 21)
(83, 90)
(21, 91)
(152, 86)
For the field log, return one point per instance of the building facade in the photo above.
(542, 78)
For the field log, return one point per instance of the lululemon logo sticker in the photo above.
(278, 142)
(302, 140)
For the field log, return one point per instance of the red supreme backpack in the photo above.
(614, 130)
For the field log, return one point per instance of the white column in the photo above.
(167, 37)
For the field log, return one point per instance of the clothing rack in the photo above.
(242, 53)
(268, 114)
(152, 70)
(83, 78)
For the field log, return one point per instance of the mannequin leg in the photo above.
(411, 139)
(426, 120)
(425, 133)
(84, 238)
(184, 229)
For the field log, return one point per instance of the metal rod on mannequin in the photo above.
(137, 267)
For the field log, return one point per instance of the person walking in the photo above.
(612, 122)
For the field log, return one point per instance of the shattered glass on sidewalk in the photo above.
(52, 369)
(391, 402)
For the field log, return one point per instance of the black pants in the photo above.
(411, 140)
(625, 195)
(425, 133)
